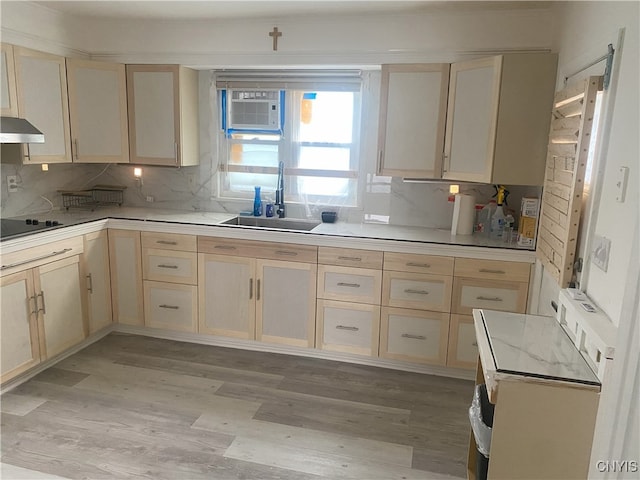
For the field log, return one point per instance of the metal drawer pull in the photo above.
(286, 252)
(489, 299)
(41, 257)
(419, 292)
(258, 289)
(415, 337)
(224, 247)
(345, 327)
(173, 267)
(475, 344)
(414, 264)
(44, 308)
(344, 284)
(166, 242)
(352, 259)
(171, 307)
(76, 149)
(90, 287)
(250, 288)
(488, 270)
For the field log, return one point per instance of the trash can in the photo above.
(481, 418)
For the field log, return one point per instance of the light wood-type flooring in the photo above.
(138, 407)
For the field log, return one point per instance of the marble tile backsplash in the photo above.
(384, 199)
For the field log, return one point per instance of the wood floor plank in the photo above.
(278, 434)
(319, 463)
(60, 376)
(18, 473)
(19, 404)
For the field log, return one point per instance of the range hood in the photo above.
(18, 130)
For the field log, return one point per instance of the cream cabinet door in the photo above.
(361, 285)
(463, 346)
(413, 104)
(471, 120)
(41, 81)
(98, 280)
(414, 335)
(171, 306)
(163, 115)
(286, 302)
(59, 295)
(19, 346)
(98, 111)
(126, 276)
(348, 327)
(417, 290)
(227, 290)
(8, 94)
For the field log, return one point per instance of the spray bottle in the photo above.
(498, 219)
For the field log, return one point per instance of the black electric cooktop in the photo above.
(12, 227)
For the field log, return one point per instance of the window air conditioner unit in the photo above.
(254, 109)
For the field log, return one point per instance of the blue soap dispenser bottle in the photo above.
(257, 204)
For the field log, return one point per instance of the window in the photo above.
(316, 135)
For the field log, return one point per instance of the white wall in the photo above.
(583, 31)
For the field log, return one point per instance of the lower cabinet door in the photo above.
(226, 287)
(171, 306)
(19, 349)
(463, 347)
(286, 302)
(348, 327)
(96, 258)
(59, 296)
(414, 335)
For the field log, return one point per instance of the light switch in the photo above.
(621, 184)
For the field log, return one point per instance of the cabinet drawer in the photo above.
(350, 284)
(404, 262)
(169, 241)
(415, 290)
(348, 327)
(271, 251)
(414, 335)
(40, 255)
(469, 293)
(463, 347)
(492, 270)
(170, 266)
(349, 257)
(170, 306)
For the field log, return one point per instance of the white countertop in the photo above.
(529, 348)
(369, 235)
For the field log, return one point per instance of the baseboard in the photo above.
(298, 351)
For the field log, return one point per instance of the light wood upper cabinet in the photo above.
(163, 115)
(413, 104)
(98, 111)
(41, 81)
(8, 94)
(498, 119)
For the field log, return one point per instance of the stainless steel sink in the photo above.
(275, 223)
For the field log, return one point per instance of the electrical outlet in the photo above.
(150, 199)
(600, 252)
(12, 183)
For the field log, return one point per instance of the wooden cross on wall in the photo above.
(275, 34)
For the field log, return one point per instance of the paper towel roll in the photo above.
(464, 211)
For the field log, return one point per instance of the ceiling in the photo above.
(244, 9)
